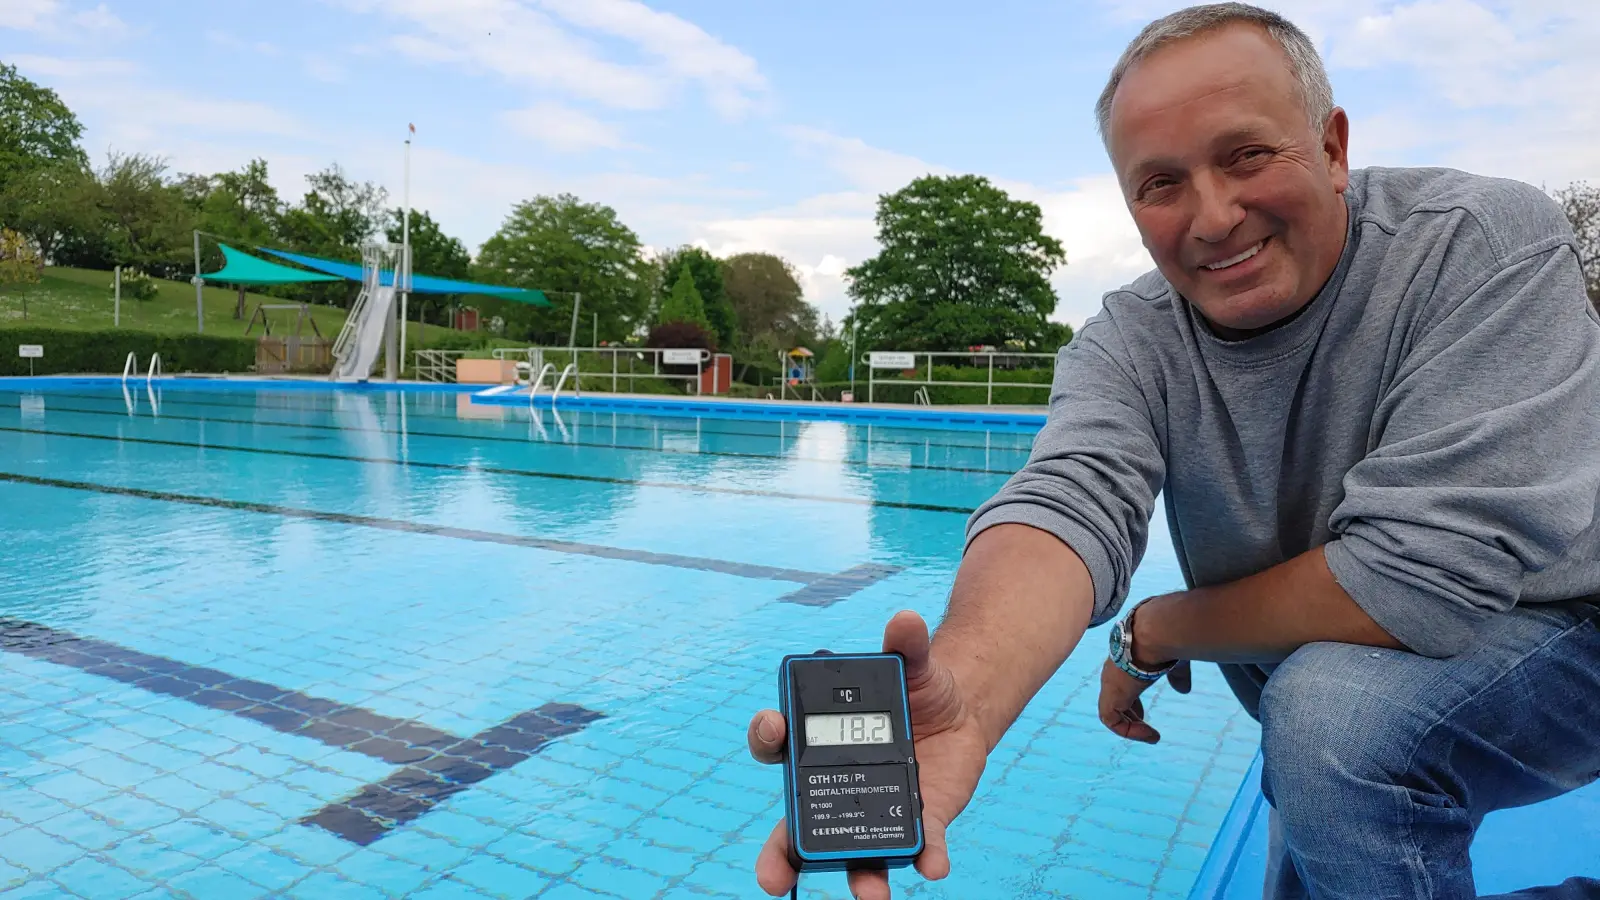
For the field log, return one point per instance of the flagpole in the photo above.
(405, 242)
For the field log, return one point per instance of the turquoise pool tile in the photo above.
(176, 792)
(11, 876)
(570, 891)
(679, 836)
(92, 878)
(37, 852)
(37, 889)
(533, 852)
(616, 878)
(279, 800)
(254, 760)
(260, 864)
(664, 861)
(219, 778)
(458, 829)
(498, 878)
(72, 788)
(117, 772)
(149, 858)
(313, 847)
(1072, 882)
(242, 820)
(425, 850)
(209, 881)
(448, 889)
(327, 884)
(721, 879)
(163, 756)
(195, 838)
(377, 870)
(81, 828)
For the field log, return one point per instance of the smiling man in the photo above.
(1370, 402)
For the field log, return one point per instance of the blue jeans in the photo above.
(1381, 764)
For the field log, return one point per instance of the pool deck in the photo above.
(1516, 849)
(957, 417)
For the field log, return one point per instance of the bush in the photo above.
(682, 335)
(104, 352)
(19, 260)
(137, 285)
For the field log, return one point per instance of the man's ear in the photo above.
(1336, 148)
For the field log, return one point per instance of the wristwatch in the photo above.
(1122, 650)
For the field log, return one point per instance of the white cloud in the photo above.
(563, 128)
(729, 76)
(54, 19)
(134, 114)
(529, 46)
(827, 233)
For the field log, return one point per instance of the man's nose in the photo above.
(1217, 211)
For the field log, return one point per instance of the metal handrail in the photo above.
(921, 398)
(535, 384)
(989, 355)
(571, 369)
(155, 368)
(131, 367)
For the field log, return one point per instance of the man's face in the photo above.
(1236, 196)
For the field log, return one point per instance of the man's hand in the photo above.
(1120, 707)
(951, 751)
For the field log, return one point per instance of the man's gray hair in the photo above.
(1316, 94)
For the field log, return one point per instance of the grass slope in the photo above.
(81, 299)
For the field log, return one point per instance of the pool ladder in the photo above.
(130, 368)
(571, 371)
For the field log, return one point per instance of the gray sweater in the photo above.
(1432, 417)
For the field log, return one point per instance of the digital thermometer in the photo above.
(850, 773)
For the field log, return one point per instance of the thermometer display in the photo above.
(844, 729)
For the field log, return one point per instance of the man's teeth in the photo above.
(1234, 261)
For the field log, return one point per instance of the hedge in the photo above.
(104, 352)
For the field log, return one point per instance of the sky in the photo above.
(764, 126)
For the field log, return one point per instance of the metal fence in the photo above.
(912, 363)
(620, 368)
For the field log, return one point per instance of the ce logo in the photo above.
(897, 812)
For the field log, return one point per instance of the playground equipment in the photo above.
(294, 352)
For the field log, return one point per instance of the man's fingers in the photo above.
(1181, 677)
(869, 885)
(907, 635)
(766, 736)
(934, 861)
(772, 864)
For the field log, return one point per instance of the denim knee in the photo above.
(1328, 732)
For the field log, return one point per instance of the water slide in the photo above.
(374, 308)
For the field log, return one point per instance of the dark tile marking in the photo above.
(742, 570)
(596, 422)
(497, 470)
(833, 588)
(434, 764)
(524, 441)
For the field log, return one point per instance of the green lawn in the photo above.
(82, 299)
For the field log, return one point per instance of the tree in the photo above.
(51, 206)
(564, 246)
(37, 130)
(1581, 202)
(141, 219)
(706, 270)
(432, 253)
(961, 263)
(684, 304)
(336, 216)
(769, 304)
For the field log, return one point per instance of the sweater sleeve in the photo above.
(1095, 469)
(1485, 455)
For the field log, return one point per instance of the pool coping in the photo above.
(954, 418)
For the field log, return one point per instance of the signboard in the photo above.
(879, 359)
(30, 351)
(680, 357)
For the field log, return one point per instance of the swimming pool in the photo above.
(382, 644)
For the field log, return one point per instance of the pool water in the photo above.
(318, 643)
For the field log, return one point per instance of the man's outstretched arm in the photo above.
(1021, 602)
